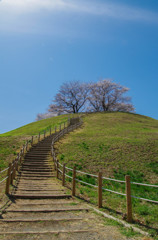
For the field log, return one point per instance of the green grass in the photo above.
(117, 144)
(128, 232)
(12, 141)
(114, 141)
(35, 127)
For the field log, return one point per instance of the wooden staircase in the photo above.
(36, 176)
(42, 209)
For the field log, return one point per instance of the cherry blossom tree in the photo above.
(72, 97)
(106, 95)
(102, 96)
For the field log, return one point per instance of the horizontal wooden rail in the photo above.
(100, 186)
(4, 170)
(3, 179)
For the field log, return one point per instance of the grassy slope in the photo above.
(118, 144)
(11, 142)
(114, 141)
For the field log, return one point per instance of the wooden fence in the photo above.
(8, 174)
(61, 169)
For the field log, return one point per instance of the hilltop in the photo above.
(114, 141)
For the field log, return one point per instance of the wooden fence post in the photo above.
(74, 181)
(99, 189)
(12, 168)
(39, 137)
(8, 179)
(57, 168)
(52, 151)
(16, 167)
(14, 164)
(55, 162)
(50, 131)
(128, 199)
(32, 141)
(26, 146)
(21, 157)
(23, 150)
(17, 162)
(63, 180)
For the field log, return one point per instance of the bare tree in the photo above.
(106, 95)
(102, 96)
(72, 97)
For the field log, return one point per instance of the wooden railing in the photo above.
(8, 174)
(61, 170)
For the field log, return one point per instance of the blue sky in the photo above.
(44, 43)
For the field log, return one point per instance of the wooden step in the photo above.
(49, 210)
(29, 178)
(33, 174)
(47, 231)
(41, 165)
(38, 154)
(33, 165)
(36, 158)
(23, 175)
(36, 170)
(43, 219)
(58, 202)
(48, 196)
(39, 190)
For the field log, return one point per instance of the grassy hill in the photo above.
(114, 143)
(117, 144)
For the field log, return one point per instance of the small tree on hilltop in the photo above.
(106, 95)
(72, 97)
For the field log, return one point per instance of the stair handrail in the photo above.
(15, 163)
